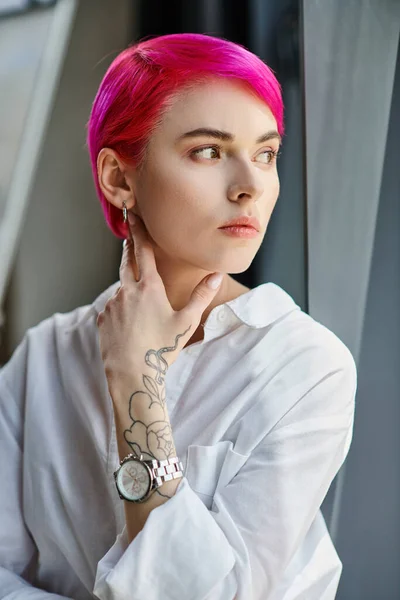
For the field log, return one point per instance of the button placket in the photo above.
(185, 369)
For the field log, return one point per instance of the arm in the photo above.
(245, 546)
(143, 426)
(17, 549)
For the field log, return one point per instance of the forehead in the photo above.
(218, 103)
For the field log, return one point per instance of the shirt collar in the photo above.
(259, 307)
(262, 305)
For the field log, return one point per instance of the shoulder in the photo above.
(317, 360)
(313, 368)
(305, 364)
(297, 336)
(43, 346)
(302, 377)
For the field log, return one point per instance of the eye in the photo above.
(212, 152)
(271, 156)
(202, 152)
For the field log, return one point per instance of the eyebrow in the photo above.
(225, 136)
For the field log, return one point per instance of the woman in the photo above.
(241, 404)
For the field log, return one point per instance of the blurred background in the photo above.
(333, 241)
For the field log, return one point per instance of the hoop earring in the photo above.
(124, 212)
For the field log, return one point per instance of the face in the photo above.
(190, 185)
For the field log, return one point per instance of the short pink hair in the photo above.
(143, 79)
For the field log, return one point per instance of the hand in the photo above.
(138, 328)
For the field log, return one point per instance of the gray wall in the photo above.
(66, 254)
(350, 51)
(369, 527)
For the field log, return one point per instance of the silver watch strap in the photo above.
(165, 470)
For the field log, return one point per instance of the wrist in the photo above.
(143, 383)
(122, 385)
(132, 401)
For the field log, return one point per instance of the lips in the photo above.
(244, 221)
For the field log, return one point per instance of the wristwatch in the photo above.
(137, 479)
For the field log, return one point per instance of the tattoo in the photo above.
(157, 353)
(153, 440)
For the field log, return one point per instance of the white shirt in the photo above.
(262, 415)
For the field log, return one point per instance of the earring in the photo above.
(125, 212)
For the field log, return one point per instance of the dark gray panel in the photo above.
(273, 31)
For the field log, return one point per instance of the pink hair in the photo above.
(143, 79)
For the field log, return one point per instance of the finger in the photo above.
(203, 294)
(128, 270)
(144, 253)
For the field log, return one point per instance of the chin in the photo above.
(233, 266)
(237, 270)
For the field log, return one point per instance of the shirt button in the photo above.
(222, 315)
(211, 321)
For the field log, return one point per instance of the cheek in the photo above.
(173, 209)
(177, 195)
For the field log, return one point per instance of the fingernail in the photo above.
(132, 218)
(214, 281)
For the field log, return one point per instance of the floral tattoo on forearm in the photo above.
(152, 439)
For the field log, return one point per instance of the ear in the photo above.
(114, 184)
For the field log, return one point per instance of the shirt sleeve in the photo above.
(242, 547)
(17, 549)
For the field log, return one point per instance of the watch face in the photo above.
(133, 480)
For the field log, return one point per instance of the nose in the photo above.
(245, 185)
